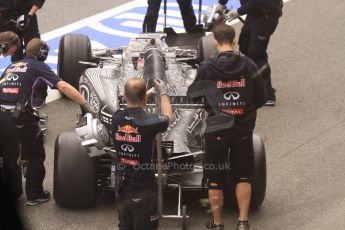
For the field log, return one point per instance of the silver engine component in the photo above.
(92, 132)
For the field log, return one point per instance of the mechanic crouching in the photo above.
(134, 133)
(261, 22)
(241, 92)
(18, 120)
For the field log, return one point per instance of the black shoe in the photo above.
(211, 225)
(243, 225)
(44, 197)
(271, 98)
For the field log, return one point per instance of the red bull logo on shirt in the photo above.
(231, 84)
(127, 129)
(128, 132)
(20, 67)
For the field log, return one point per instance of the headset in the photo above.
(5, 46)
(43, 52)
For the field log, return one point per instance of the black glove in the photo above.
(86, 108)
(161, 87)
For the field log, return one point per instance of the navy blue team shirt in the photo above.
(21, 77)
(134, 133)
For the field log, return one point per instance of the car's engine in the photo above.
(104, 87)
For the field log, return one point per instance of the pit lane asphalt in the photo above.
(304, 134)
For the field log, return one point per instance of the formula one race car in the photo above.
(84, 164)
(84, 159)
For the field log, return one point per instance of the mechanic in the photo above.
(9, 43)
(187, 12)
(261, 22)
(241, 94)
(12, 10)
(18, 120)
(27, 30)
(134, 133)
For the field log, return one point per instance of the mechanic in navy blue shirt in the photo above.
(134, 132)
(9, 44)
(187, 12)
(28, 28)
(18, 120)
(241, 92)
(261, 22)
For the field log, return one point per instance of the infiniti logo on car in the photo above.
(231, 96)
(127, 148)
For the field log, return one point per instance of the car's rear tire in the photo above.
(72, 49)
(206, 47)
(74, 173)
(259, 178)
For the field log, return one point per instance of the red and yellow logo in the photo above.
(128, 130)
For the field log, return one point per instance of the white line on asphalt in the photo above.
(52, 59)
(97, 45)
(104, 29)
(131, 15)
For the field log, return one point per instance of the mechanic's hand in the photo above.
(220, 8)
(87, 109)
(161, 87)
(232, 14)
(151, 91)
